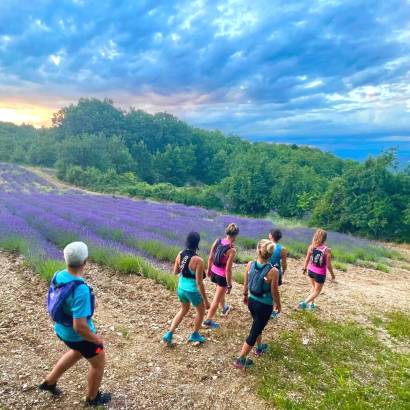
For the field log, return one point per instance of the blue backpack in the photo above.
(57, 294)
(257, 278)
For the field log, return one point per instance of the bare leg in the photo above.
(67, 360)
(315, 293)
(219, 295)
(179, 316)
(200, 314)
(245, 350)
(259, 339)
(95, 374)
(222, 301)
(312, 290)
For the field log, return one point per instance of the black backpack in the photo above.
(318, 257)
(257, 278)
(185, 259)
(219, 253)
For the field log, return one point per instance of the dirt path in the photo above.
(132, 314)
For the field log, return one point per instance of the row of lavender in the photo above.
(48, 217)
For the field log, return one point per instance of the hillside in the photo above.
(364, 315)
(95, 145)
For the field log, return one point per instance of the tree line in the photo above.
(99, 146)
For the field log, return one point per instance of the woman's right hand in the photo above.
(99, 340)
(245, 299)
(304, 271)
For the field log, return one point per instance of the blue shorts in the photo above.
(194, 298)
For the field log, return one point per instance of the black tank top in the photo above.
(185, 259)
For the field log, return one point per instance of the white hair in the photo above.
(75, 254)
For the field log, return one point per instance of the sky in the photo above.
(326, 73)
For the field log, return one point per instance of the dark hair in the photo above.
(192, 241)
(276, 234)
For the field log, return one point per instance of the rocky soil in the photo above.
(132, 314)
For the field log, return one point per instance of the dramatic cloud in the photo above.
(329, 73)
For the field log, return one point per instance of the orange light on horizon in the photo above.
(36, 116)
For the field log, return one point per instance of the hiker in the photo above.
(191, 290)
(220, 263)
(279, 256)
(318, 261)
(260, 292)
(71, 305)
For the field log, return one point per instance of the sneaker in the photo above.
(167, 338)
(261, 349)
(243, 363)
(196, 338)
(303, 305)
(226, 310)
(274, 315)
(210, 324)
(311, 306)
(52, 388)
(100, 400)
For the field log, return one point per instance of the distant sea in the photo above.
(356, 148)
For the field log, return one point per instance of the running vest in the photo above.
(318, 260)
(185, 259)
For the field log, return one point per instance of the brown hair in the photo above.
(319, 238)
(232, 230)
(265, 248)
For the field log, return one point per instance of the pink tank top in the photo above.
(216, 269)
(319, 270)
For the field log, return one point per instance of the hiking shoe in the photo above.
(225, 311)
(303, 305)
(100, 400)
(274, 315)
(261, 349)
(167, 338)
(210, 324)
(242, 363)
(196, 338)
(311, 306)
(51, 388)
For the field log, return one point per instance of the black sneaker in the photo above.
(100, 400)
(52, 388)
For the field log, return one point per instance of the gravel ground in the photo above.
(132, 314)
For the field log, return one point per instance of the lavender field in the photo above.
(38, 219)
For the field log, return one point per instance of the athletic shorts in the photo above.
(219, 280)
(86, 348)
(317, 277)
(194, 298)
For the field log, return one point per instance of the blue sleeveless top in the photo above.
(276, 258)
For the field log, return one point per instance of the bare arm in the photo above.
(176, 264)
(329, 263)
(284, 255)
(275, 288)
(307, 259)
(81, 327)
(229, 263)
(211, 257)
(199, 270)
(245, 284)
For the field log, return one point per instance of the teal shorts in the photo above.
(194, 298)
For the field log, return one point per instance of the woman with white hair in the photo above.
(71, 306)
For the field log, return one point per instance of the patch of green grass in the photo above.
(295, 249)
(340, 266)
(130, 264)
(239, 276)
(45, 267)
(382, 267)
(330, 365)
(246, 243)
(398, 325)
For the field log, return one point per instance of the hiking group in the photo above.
(71, 300)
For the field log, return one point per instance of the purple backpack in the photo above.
(57, 294)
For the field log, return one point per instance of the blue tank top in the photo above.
(276, 258)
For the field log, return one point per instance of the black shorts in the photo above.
(219, 280)
(317, 277)
(86, 348)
